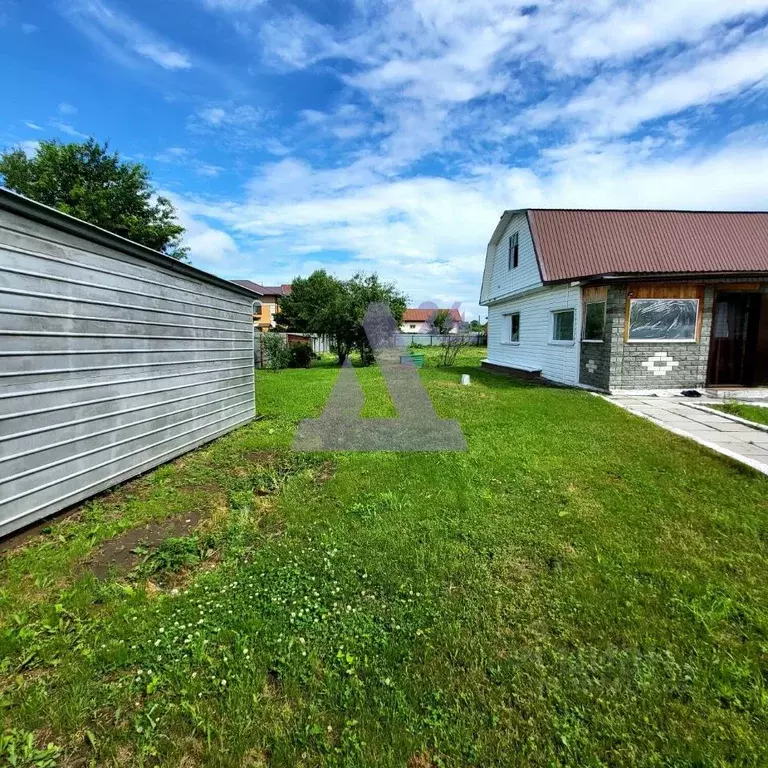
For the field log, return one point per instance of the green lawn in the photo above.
(744, 411)
(579, 588)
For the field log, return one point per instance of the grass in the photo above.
(749, 412)
(578, 588)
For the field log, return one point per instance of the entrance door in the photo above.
(733, 345)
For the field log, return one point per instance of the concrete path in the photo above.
(691, 418)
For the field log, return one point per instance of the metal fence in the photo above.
(113, 359)
(437, 340)
(321, 344)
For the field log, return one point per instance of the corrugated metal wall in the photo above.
(111, 360)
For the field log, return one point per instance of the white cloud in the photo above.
(184, 157)
(163, 56)
(33, 126)
(448, 112)
(209, 247)
(121, 37)
(235, 126)
(233, 5)
(28, 29)
(428, 234)
(66, 109)
(70, 130)
(619, 104)
(212, 115)
(29, 148)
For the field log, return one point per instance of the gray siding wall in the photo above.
(109, 365)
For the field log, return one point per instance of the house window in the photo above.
(413, 327)
(594, 321)
(514, 327)
(562, 325)
(663, 319)
(513, 258)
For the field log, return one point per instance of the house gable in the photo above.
(499, 280)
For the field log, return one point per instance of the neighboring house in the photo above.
(420, 320)
(629, 300)
(269, 304)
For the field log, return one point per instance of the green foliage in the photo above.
(325, 305)
(301, 355)
(18, 750)
(170, 556)
(89, 182)
(441, 322)
(278, 355)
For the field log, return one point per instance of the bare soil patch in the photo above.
(119, 553)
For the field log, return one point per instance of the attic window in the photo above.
(513, 257)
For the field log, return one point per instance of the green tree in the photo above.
(89, 182)
(441, 321)
(323, 304)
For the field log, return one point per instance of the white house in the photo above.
(420, 320)
(629, 300)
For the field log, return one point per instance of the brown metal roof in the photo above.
(265, 290)
(424, 315)
(575, 244)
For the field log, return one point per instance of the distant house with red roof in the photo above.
(420, 320)
(267, 307)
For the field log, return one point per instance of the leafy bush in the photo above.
(278, 355)
(301, 355)
(18, 748)
(171, 555)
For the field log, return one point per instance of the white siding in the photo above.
(417, 328)
(505, 281)
(536, 350)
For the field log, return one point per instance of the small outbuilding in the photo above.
(619, 300)
(113, 359)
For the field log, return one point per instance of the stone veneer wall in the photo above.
(655, 365)
(595, 362)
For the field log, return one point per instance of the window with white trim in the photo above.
(513, 328)
(513, 257)
(594, 321)
(562, 325)
(663, 319)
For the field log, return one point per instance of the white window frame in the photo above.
(552, 326)
(694, 340)
(513, 249)
(584, 321)
(508, 328)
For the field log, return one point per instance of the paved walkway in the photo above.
(690, 418)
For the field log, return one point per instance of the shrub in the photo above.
(301, 355)
(277, 353)
(170, 555)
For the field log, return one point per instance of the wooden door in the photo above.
(733, 345)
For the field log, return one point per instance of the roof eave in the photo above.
(613, 276)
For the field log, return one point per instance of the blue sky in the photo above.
(389, 136)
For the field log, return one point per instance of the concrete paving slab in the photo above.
(731, 438)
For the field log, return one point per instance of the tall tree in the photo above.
(324, 304)
(89, 182)
(441, 321)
